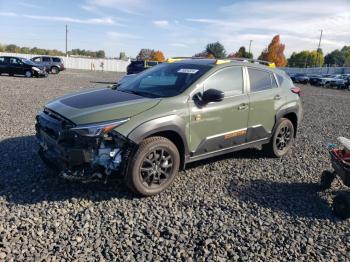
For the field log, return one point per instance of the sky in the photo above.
(178, 28)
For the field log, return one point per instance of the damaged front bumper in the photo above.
(64, 147)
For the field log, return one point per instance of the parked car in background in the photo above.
(53, 64)
(138, 66)
(20, 66)
(300, 78)
(314, 80)
(338, 81)
(347, 81)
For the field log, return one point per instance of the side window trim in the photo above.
(276, 79)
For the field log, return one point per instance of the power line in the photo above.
(66, 41)
(250, 44)
(319, 45)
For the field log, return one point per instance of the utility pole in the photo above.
(319, 45)
(66, 40)
(250, 44)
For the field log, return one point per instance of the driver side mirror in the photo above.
(212, 95)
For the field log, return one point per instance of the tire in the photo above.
(28, 74)
(156, 175)
(10, 74)
(54, 70)
(327, 178)
(281, 140)
(341, 205)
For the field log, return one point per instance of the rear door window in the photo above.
(14, 61)
(260, 80)
(46, 59)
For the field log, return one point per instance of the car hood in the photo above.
(100, 105)
(36, 65)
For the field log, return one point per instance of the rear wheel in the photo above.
(341, 205)
(153, 166)
(28, 73)
(54, 70)
(282, 139)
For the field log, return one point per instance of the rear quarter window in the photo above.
(261, 80)
(56, 59)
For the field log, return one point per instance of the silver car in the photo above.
(52, 64)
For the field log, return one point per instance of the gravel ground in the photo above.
(241, 206)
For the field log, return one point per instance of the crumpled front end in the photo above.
(77, 153)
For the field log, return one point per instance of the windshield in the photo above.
(26, 61)
(164, 80)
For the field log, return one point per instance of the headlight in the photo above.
(95, 130)
(35, 69)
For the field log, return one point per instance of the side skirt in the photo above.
(229, 150)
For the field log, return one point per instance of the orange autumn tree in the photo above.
(274, 52)
(158, 56)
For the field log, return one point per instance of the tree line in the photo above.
(274, 52)
(54, 52)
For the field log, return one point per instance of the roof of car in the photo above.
(221, 62)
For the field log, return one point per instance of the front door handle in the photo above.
(243, 106)
(277, 97)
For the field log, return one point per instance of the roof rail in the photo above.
(180, 58)
(225, 60)
(254, 61)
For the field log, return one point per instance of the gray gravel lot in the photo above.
(241, 206)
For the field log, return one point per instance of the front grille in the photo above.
(66, 123)
(58, 128)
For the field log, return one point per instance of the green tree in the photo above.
(217, 50)
(306, 59)
(145, 54)
(346, 51)
(12, 48)
(335, 58)
(100, 54)
(25, 50)
(203, 54)
(2, 48)
(122, 56)
(242, 53)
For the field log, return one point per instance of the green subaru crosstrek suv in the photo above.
(153, 124)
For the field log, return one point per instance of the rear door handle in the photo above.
(277, 97)
(243, 106)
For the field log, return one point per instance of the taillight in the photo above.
(296, 90)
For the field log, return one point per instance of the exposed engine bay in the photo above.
(76, 152)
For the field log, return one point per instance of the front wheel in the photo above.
(282, 139)
(153, 166)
